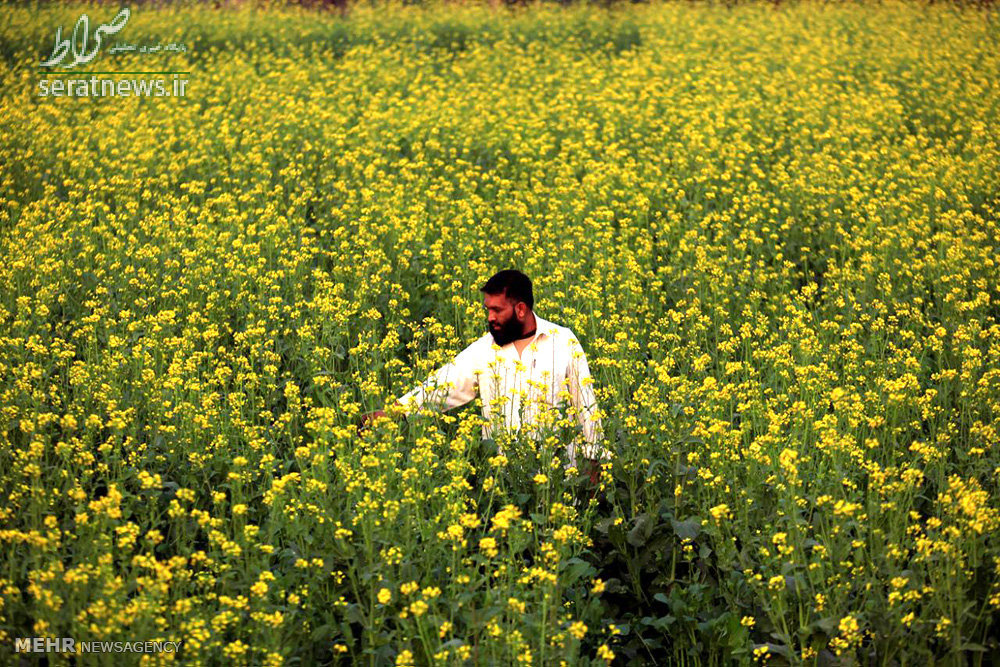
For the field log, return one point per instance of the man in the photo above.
(522, 368)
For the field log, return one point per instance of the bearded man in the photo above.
(521, 368)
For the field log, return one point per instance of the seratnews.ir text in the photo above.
(98, 86)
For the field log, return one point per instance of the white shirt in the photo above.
(516, 388)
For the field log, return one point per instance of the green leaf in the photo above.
(354, 613)
(776, 649)
(323, 632)
(687, 529)
(641, 530)
(827, 624)
(979, 648)
(603, 525)
(576, 569)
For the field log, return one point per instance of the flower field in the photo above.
(774, 228)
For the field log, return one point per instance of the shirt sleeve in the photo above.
(451, 386)
(584, 400)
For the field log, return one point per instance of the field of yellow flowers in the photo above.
(774, 229)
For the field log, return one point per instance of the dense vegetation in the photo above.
(774, 230)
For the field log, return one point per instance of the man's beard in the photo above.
(508, 332)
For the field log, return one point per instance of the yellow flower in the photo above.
(235, 649)
(384, 596)
(488, 546)
(503, 518)
(848, 625)
(720, 513)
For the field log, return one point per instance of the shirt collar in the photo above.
(543, 326)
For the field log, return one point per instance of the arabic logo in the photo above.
(78, 42)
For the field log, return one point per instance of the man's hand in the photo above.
(369, 417)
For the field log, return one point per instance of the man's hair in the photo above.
(511, 283)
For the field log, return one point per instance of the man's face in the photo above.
(503, 318)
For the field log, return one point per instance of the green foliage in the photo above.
(773, 228)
